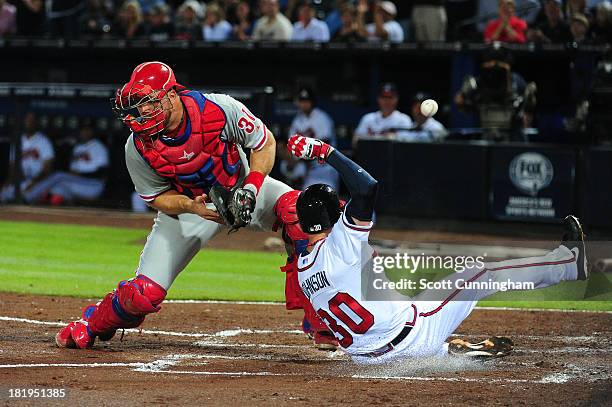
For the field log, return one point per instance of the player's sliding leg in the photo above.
(172, 243)
(439, 319)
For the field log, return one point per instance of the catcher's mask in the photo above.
(143, 103)
(318, 208)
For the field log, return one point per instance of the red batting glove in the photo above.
(308, 148)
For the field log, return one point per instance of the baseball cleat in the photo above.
(75, 335)
(63, 338)
(325, 340)
(573, 239)
(494, 347)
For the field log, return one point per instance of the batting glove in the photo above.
(308, 148)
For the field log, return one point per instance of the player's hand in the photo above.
(200, 209)
(308, 148)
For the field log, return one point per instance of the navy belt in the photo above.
(391, 345)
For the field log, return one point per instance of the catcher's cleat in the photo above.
(325, 340)
(63, 338)
(75, 335)
(494, 347)
(573, 239)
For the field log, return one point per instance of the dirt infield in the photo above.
(214, 353)
(243, 354)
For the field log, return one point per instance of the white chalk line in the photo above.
(553, 378)
(161, 365)
(223, 333)
(207, 344)
(241, 331)
(140, 367)
(117, 364)
(196, 372)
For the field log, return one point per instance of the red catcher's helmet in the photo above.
(147, 89)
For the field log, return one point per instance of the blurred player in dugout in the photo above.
(310, 121)
(87, 176)
(425, 128)
(387, 122)
(391, 124)
(37, 156)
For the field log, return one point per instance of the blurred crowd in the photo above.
(514, 21)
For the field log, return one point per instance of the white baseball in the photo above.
(429, 107)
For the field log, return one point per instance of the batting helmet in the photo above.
(318, 208)
(142, 103)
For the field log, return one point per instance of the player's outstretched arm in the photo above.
(361, 185)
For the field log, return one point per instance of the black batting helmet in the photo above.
(318, 208)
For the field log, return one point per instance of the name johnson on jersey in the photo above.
(314, 283)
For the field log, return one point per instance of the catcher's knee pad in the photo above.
(125, 307)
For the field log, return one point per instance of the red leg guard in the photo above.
(126, 307)
(293, 292)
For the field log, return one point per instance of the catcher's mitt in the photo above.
(235, 206)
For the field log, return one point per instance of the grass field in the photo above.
(88, 261)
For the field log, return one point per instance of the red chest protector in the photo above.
(197, 159)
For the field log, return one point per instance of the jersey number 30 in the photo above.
(367, 319)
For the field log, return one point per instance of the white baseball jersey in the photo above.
(430, 130)
(374, 124)
(395, 32)
(35, 151)
(330, 277)
(317, 124)
(149, 184)
(89, 157)
(316, 30)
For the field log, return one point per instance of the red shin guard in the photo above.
(127, 306)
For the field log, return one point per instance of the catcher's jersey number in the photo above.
(367, 319)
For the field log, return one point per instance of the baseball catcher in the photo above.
(379, 331)
(185, 149)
